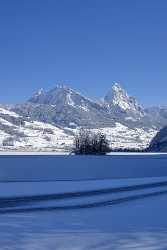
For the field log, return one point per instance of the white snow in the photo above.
(121, 136)
(130, 118)
(122, 99)
(37, 135)
(69, 100)
(72, 124)
(39, 92)
(117, 96)
(83, 106)
(8, 112)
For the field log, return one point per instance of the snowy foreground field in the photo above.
(50, 202)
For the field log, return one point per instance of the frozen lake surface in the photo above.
(139, 224)
(92, 203)
(68, 167)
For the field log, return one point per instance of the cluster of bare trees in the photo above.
(88, 142)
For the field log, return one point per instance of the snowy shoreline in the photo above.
(68, 153)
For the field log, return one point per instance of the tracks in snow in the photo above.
(94, 196)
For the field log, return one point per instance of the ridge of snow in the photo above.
(39, 92)
(72, 91)
(8, 112)
(69, 100)
(32, 135)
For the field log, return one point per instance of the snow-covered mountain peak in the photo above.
(65, 89)
(63, 106)
(118, 97)
(62, 86)
(62, 95)
(37, 96)
(39, 92)
(117, 87)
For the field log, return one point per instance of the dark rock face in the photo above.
(159, 142)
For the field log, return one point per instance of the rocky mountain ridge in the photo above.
(65, 107)
(125, 122)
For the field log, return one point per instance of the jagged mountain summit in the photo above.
(61, 95)
(65, 107)
(117, 100)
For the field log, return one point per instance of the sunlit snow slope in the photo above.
(19, 133)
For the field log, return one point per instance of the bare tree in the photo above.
(88, 142)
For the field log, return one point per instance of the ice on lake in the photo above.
(135, 224)
(139, 224)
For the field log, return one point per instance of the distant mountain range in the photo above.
(65, 107)
(120, 116)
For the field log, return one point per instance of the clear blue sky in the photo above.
(87, 44)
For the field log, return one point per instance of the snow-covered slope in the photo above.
(65, 107)
(24, 134)
(19, 133)
(123, 137)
